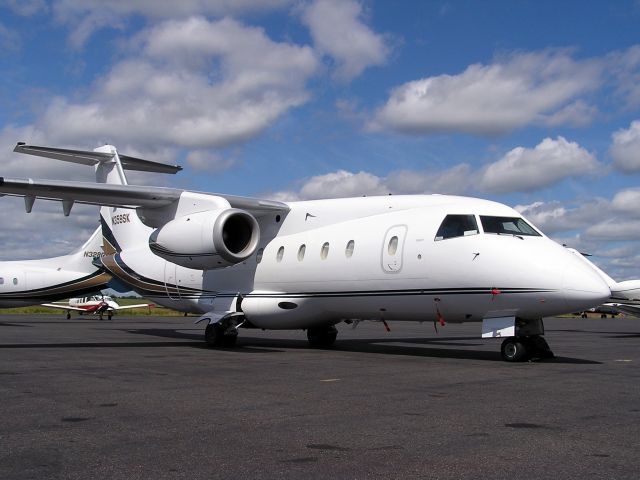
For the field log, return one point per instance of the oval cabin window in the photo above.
(280, 254)
(324, 252)
(393, 245)
(301, 251)
(349, 250)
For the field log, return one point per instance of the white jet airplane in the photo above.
(32, 282)
(95, 304)
(243, 262)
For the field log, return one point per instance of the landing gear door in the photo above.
(393, 248)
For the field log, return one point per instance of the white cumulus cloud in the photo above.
(554, 216)
(337, 30)
(514, 91)
(343, 183)
(627, 201)
(196, 84)
(625, 148)
(615, 229)
(525, 169)
(455, 180)
(26, 8)
(85, 17)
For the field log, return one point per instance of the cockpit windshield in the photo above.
(507, 226)
(457, 226)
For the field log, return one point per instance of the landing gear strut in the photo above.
(520, 349)
(322, 337)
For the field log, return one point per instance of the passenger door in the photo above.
(393, 248)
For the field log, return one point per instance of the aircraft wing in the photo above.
(63, 306)
(139, 305)
(126, 196)
(631, 309)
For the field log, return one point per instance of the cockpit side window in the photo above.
(507, 226)
(457, 226)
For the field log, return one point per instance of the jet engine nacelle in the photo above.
(207, 240)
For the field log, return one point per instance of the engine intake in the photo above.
(207, 240)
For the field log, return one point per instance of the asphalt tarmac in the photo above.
(144, 398)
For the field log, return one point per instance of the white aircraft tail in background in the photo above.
(95, 304)
(625, 296)
(32, 282)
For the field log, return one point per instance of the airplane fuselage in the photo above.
(32, 282)
(375, 258)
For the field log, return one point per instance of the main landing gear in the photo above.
(322, 337)
(217, 335)
(520, 349)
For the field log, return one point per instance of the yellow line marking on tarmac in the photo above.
(330, 380)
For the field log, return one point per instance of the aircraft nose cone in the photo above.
(582, 286)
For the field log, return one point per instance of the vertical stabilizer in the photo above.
(121, 227)
(82, 259)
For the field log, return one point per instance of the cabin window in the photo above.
(507, 226)
(392, 248)
(301, 251)
(15, 281)
(1, 281)
(349, 250)
(259, 255)
(457, 226)
(280, 254)
(324, 252)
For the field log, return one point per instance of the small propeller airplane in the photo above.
(95, 304)
(310, 265)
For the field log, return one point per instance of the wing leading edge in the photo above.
(126, 196)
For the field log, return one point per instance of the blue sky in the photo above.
(534, 104)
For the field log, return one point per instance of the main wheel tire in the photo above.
(213, 335)
(68, 316)
(229, 340)
(322, 337)
(514, 350)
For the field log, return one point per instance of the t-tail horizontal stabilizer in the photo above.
(92, 158)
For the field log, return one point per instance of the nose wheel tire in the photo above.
(514, 350)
